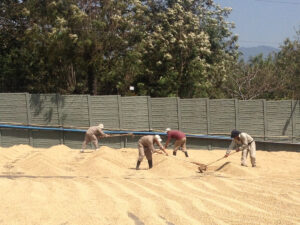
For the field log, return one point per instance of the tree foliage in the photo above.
(274, 77)
(288, 69)
(164, 48)
(182, 48)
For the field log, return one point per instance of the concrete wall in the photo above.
(272, 121)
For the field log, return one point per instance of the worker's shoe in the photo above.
(150, 164)
(81, 151)
(186, 154)
(174, 153)
(244, 165)
(138, 165)
(253, 165)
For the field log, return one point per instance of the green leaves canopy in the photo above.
(164, 48)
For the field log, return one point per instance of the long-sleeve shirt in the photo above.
(243, 143)
(95, 130)
(149, 140)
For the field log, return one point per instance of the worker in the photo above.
(146, 147)
(92, 135)
(242, 141)
(180, 140)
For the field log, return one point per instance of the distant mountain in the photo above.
(254, 51)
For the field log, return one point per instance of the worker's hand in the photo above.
(167, 154)
(157, 151)
(226, 155)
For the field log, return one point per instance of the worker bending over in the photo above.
(92, 135)
(180, 140)
(146, 147)
(243, 142)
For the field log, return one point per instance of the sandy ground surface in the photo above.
(61, 186)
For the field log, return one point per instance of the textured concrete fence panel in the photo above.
(164, 113)
(296, 121)
(13, 109)
(265, 120)
(222, 116)
(279, 120)
(194, 116)
(105, 109)
(135, 113)
(44, 109)
(74, 110)
(251, 118)
(42, 138)
(135, 116)
(11, 137)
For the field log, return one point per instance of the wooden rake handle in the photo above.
(119, 135)
(220, 159)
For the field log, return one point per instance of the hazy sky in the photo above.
(264, 22)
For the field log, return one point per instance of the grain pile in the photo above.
(59, 186)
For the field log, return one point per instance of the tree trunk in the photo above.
(92, 81)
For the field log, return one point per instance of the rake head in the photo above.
(201, 167)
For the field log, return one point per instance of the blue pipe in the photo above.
(109, 132)
(40, 128)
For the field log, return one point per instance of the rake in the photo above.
(203, 167)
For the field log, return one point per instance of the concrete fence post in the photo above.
(179, 114)
(60, 117)
(208, 120)
(149, 112)
(293, 110)
(27, 99)
(207, 116)
(123, 140)
(237, 119)
(265, 119)
(89, 109)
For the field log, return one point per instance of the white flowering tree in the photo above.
(186, 48)
(162, 47)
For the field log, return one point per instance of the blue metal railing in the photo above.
(108, 132)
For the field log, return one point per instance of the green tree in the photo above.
(43, 61)
(186, 45)
(165, 48)
(12, 28)
(288, 69)
(107, 45)
(253, 79)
